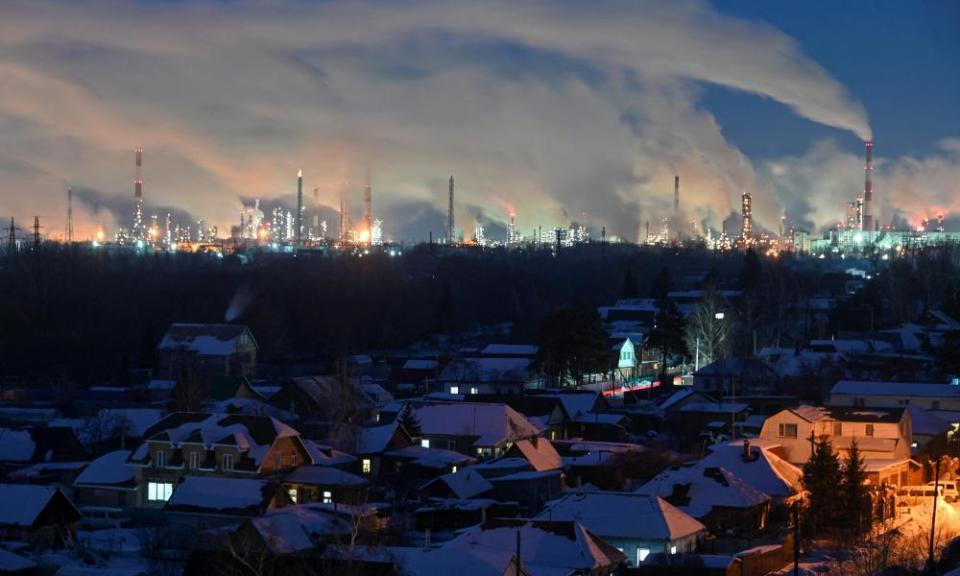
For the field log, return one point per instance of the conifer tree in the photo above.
(856, 499)
(822, 478)
(410, 422)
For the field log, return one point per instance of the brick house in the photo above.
(197, 444)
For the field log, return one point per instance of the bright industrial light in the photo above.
(718, 315)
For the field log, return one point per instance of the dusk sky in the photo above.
(559, 110)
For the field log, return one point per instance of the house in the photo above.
(544, 411)
(107, 481)
(486, 375)
(205, 501)
(758, 463)
(725, 503)
(213, 445)
(372, 442)
(463, 484)
(42, 515)
(293, 530)
(489, 549)
(313, 399)
(210, 350)
(927, 395)
(735, 377)
(21, 448)
(881, 435)
(635, 524)
(531, 489)
(324, 484)
(475, 429)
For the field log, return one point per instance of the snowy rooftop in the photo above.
(486, 369)
(510, 350)
(765, 471)
(23, 503)
(707, 487)
(205, 339)
(540, 453)
(324, 475)
(298, 528)
(109, 469)
(465, 483)
(624, 515)
(907, 389)
(491, 424)
(221, 495)
(420, 364)
(16, 445)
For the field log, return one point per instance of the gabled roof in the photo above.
(324, 476)
(490, 424)
(487, 369)
(529, 350)
(764, 471)
(705, 488)
(111, 469)
(377, 439)
(849, 413)
(240, 496)
(253, 435)
(205, 339)
(22, 504)
(466, 483)
(540, 453)
(298, 528)
(624, 515)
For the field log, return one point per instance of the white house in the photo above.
(880, 434)
(930, 396)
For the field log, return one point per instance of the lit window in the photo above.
(454, 389)
(327, 497)
(365, 465)
(642, 554)
(292, 492)
(227, 462)
(673, 549)
(787, 431)
(473, 390)
(453, 469)
(194, 460)
(424, 442)
(159, 491)
(161, 458)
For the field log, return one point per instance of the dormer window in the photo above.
(227, 462)
(161, 458)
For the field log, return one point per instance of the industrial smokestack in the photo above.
(676, 197)
(451, 228)
(299, 221)
(137, 231)
(368, 209)
(69, 234)
(868, 189)
(747, 212)
(343, 212)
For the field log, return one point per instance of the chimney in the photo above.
(746, 450)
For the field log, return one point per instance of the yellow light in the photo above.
(364, 236)
(100, 235)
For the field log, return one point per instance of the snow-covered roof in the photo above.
(540, 453)
(22, 504)
(131, 421)
(221, 495)
(465, 483)
(298, 528)
(924, 422)
(324, 475)
(624, 515)
(205, 339)
(110, 469)
(574, 403)
(437, 458)
(420, 364)
(375, 439)
(765, 471)
(907, 389)
(253, 435)
(491, 424)
(486, 369)
(16, 445)
(707, 487)
(510, 350)
(714, 407)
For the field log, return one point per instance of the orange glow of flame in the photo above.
(364, 236)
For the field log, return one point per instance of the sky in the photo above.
(555, 110)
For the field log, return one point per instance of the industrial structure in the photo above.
(137, 230)
(868, 224)
(451, 228)
(746, 211)
(367, 233)
(299, 224)
(69, 231)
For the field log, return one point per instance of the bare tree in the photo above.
(709, 328)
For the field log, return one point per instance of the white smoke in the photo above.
(238, 304)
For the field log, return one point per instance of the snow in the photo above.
(492, 424)
(576, 402)
(897, 389)
(221, 494)
(111, 541)
(708, 488)
(486, 369)
(203, 339)
(10, 562)
(135, 420)
(375, 439)
(431, 457)
(924, 422)
(510, 350)
(324, 475)
(766, 472)
(624, 515)
(297, 528)
(540, 453)
(466, 483)
(47, 467)
(16, 445)
(419, 364)
(714, 407)
(111, 468)
(22, 503)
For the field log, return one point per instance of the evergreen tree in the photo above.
(573, 344)
(668, 335)
(410, 422)
(822, 479)
(856, 499)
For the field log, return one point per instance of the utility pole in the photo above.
(933, 520)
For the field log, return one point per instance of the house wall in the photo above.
(105, 496)
(798, 449)
(951, 403)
